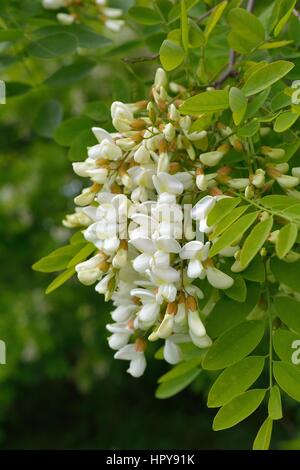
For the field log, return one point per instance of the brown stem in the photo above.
(134, 60)
(228, 72)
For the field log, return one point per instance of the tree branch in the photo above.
(228, 72)
(250, 5)
(135, 60)
(296, 13)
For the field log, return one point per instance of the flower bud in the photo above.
(165, 329)
(274, 153)
(211, 158)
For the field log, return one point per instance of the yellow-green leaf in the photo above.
(238, 409)
(255, 241)
(171, 55)
(274, 403)
(214, 18)
(233, 232)
(284, 121)
(288, 378)
(60, 280)
(238, 104)
(233, 345)
(263, 437)
(264, 77)
(208, 101)
(235, 380)
(286, 238)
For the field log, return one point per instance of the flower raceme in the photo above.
(154, 183)
(70, 12)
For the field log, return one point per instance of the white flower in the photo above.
(169, 132)
(211, 158)
(114, 25)
(165, 183)
(238, 183)
(172, 352)
(166, 327)
(55, 4)
(90, 271)
(195, 252)
(287, 182)
(137, 359)
(66, 19)
(161, 79)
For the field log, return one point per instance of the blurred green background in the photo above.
(61, 387)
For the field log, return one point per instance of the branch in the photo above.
(250, 5)
(296, 13)
(228, 72)
(135, 60)
(204, 15)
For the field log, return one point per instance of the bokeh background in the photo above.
(60, 387)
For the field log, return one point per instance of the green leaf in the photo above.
(288, 378)
(145, 16)
(234, 345)
(70, 73)
(263, 437)
(238, 291)
(64, 135)
(82, 255)
(86, 38)
(57, 260)
(172, 387)
(255, 271)
(60, 280)
(180, 369)
(284, 121)
(52, 46)
(248, 130)
(97, 111)
(171, 55)
(283, 342)
(214, 18)
(78, 149)
(256, 103)
(274, 403)
(286, 238)
(235, 380)
(238, 104)
(196, 35)
(238, 409)
(221, 209)
(230, 219)
(247, 32)
(184, 23)
(233, 232)
(288, 310)
(287, 273)
(174, 13)
(228, 313)
(208, 101)
(284, 19)
(10, 34)
(16, 89)
(277, 201)
(275, 44)
(48, 119)
(255, 241)
(265, 77)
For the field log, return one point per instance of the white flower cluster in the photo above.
(146, 213)
(110, 17)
